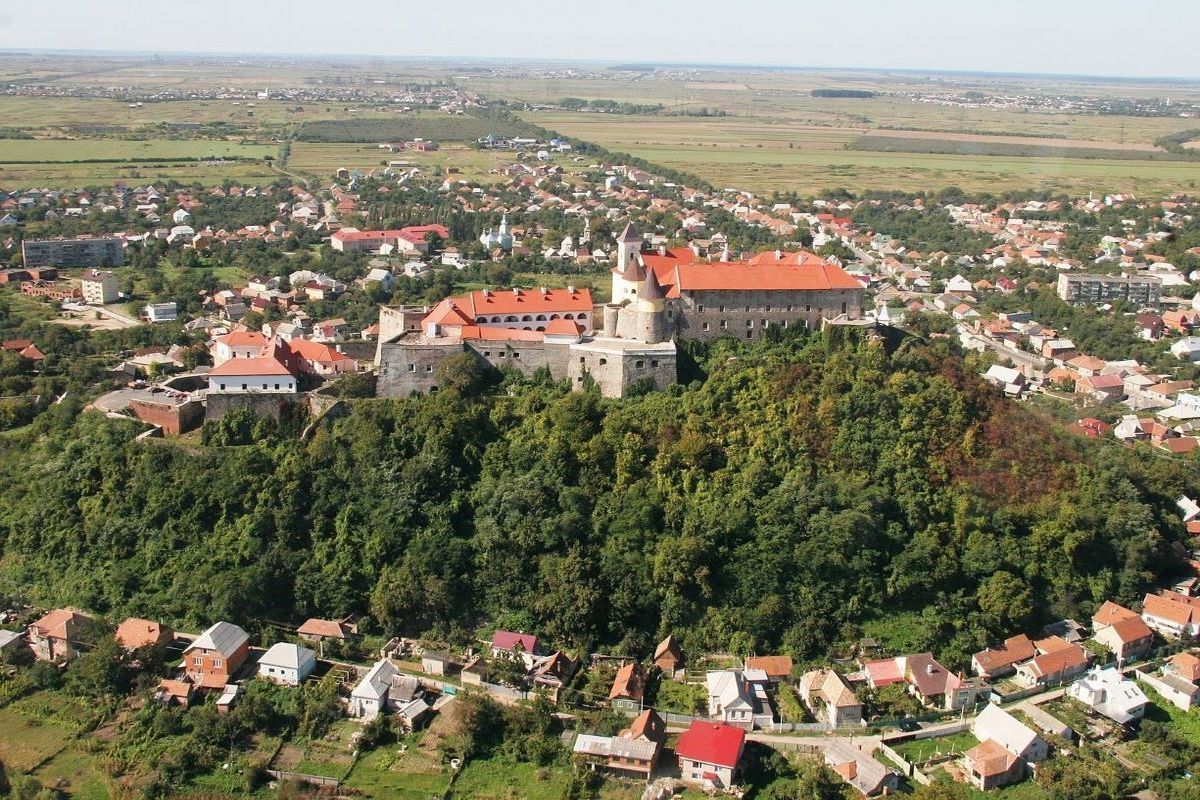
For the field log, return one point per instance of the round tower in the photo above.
(611, 312)
(652, 310)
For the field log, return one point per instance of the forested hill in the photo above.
(803, 487)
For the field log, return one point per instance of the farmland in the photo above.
(769, 154)
(427, 125)
(323, 159)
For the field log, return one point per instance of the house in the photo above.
(555, 670)
(730, 698)
(1057, 662)
(1187, 348)
(258, 375)
(830, 698)
(1012, 381)
(287, 663)
(1006, 748)
(413, 713)
(320, 630)
(228, 697)
(710, 753)
(884, 672)
(160, 312)
(1108, 692)
(1170, 616)
(370, 697)
(174, 693)
(55, 637)
(776, 668)
(1178, 681)
(9, 640)
(134, 634)
(506, 644)
(1122, 631)
(668, 656)
(628, 687)
(215, 656)
(859, 769)
(98, 288)
(1000, 661)
(436, 662)
(237, 344)
(474, 672)
(634, 750)
(935, 686)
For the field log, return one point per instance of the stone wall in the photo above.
(407, 367)
(615, 369)
(173, 418)
(261, 405)
(744, 315)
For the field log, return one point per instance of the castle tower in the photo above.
(629, 244)
(652, 310)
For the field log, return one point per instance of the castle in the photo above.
(657, 297)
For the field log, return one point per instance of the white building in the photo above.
(730, 699)
(258, 375)
(238, 344)
(161, 312)
(1003, 728)
(98, 288)
(1108, 692)
(370, 697)
(287, 663)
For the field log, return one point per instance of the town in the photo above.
(525, 428)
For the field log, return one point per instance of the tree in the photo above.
(1007, 600)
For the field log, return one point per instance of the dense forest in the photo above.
(793, 490)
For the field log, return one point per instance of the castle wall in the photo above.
(615, 368)
(707, 315)
(261, 405)
(407, 367)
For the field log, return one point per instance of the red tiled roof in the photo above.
(1014, 650)
(629, 682)
(712, 743)
(1109, 613)
(507, 640)
(260, 365)
(1131, 629)
(316, 351)
(134, 633)
(524, 301)
(322, 627)
(243, 339)
(774, 666)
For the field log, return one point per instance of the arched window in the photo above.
(541, 317)
(554, 316)
(541, 328)
(526, 328)
(495, 319)
(480, 320)
(568, 316)
(582, 315)
(526, 318)
(510, 318)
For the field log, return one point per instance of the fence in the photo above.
(315, 780)
(928, 733)
(910, 770)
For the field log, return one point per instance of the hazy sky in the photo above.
(1088, 37)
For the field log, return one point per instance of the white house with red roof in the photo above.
(710, 754)
(237, 344)
(256, 375)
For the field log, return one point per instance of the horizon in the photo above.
(518, 60)
(1055, 40)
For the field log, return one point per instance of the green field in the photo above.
(417, 125)
(66, 150)
(919, 751)
(324, 159)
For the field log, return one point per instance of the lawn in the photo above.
(900, 632)
(28, 741)
(1185, 724)
(329, 756)
(391, 772)
(76, 773)
(919, 751)
(493, 779)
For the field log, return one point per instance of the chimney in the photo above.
(851, 770)
(570, 289)
(778, 254)
(545, 291)
(929, 669)
(516, 292)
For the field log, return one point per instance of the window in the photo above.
(843, 308)
(705, 326)
(749, 334)
(747, 309)
(487, 353)
(603, 361)
(785, 323)
(767, 308)
(699, 309)
(721, 309)
(807, 307)
(222, 387)
(516, 355)
(654, 362)
(526, 318)
(749, 323)
(764, 323)
(198, 661)
(640, 364)
(218, 663)
(541, 317)
(243, 387)
(791, 307)
(277, 387)
(581, 315)
(724, 323)
(429, 367)
(503, 354)
(581, 359)
(412, 367)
